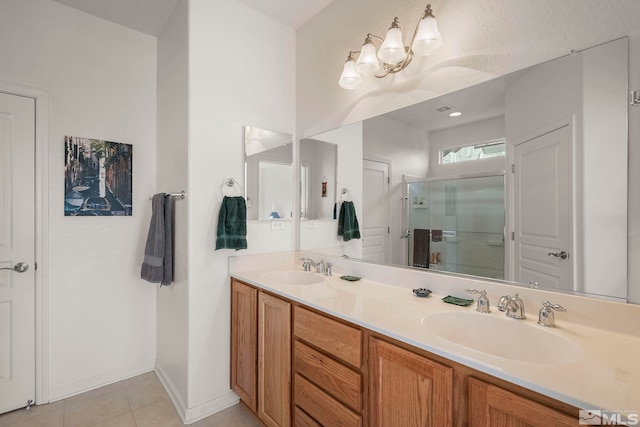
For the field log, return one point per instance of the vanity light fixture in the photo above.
(393, 54)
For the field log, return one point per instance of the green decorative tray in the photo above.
(350, 278)
(457, 301)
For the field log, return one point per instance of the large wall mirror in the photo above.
(268, 174)
(522, 178)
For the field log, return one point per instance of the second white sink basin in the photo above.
(293, 277)
(504, 337)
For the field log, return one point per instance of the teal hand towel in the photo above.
(232, 224)
(348, 226)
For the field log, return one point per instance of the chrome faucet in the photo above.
(483, 301)
(513, 306)
(546, 316)
(320, 266)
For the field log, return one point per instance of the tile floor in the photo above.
(137, 402)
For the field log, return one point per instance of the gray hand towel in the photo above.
(157, 266)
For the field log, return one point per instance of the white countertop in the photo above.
(605, 376)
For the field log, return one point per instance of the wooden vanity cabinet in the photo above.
(261, 353)
(493, 406)
(407, 389)
(292, 365)
(244, 342)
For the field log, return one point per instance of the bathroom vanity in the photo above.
(311, 350)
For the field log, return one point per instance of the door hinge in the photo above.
(388, 180)
(513, 168)
(35, 265)
(513, 235)
(388, 230)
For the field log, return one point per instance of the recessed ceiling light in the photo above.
(455, 114)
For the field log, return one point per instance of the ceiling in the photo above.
(149, 16)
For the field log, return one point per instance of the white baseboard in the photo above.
(191, 415)
(68, 390)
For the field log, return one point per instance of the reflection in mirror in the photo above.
(564, 163)
(457, 225)
(318, 167)
(268, 174)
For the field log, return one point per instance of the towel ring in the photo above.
(345, 195)
(229, 184)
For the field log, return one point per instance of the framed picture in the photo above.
(97, 177)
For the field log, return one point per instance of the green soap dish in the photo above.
(457, 301)
(350, 278)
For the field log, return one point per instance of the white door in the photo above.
(542, 187)
(17, 237)
(375, 211)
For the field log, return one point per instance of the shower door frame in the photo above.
(407, 180)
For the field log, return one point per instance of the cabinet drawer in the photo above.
(333, 377)
(340, 340)
(323, 408)
(301, 419)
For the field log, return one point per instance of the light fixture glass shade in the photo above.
(428, 38)
(392, 49)
(349, 79)
(367, 61)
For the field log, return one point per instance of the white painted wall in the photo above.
(258, 90)
(101, 78)
(323, 234)
(172, 166)
(407, 150)
(320, 158)
(482, 40)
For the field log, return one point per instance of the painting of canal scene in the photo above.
(97, 177)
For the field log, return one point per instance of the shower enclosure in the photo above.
(457, 225)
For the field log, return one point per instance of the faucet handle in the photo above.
(546, 316)
(483, 301)
(306, 263)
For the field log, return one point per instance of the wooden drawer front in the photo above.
(335, 378)
(323, 408)
(340, 340)
(303, 420)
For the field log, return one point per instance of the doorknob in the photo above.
(562, 254)
(20, 267)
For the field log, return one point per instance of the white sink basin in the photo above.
(292, 277)
(504, 337)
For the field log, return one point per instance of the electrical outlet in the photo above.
(309, 224)
(277, 225)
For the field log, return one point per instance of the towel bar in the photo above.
(181, 195)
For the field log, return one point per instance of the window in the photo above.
(467, 153)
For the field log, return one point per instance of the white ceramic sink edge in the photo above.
(292, 277)
(503, 337)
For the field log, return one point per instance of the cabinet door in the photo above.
(493, 406)
(274, 361)
(406, 389)
(244, 342)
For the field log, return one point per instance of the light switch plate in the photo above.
(277, 225)
(309, 224)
